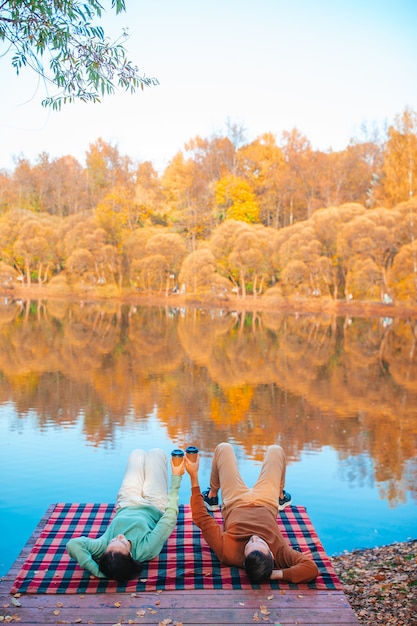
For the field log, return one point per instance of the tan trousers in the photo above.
(145, 480)
(225, 475)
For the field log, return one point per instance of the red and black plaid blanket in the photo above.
(185, 562)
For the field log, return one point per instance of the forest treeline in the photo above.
(313, 381)
(225, 216)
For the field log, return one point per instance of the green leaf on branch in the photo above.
(83, 64)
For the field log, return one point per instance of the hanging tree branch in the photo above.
(81, 62)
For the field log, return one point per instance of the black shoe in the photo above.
(285, 501)
(212, 504)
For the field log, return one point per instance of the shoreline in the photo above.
(254, 304)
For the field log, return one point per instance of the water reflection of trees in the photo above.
(307, 382)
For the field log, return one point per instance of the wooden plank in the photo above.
(210, 607)
(251, 599)
(43, 613)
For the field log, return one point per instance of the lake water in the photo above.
(81, 385)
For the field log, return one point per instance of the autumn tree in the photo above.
(149, 206)
(6, 193)
(84, 252)
(301, 268)
(399, 171)
(221, 244)
(348, 175)
(250, 259)
(300, 176)
(83, 64)
(113, 212)
(67, 187)
(235, 200)
(327, 224)
(189, 182)
(213, 158)
(80, 266)
(179, 192)
(403, 274)
(57, 186)
(263, 165)
(160, 264)
(35, 249)
(198, 274)
(371, 236)
(403, 278)
(29, 184)
(134, 250)
(243, 255)
(106, 169)
(406, 226)
(364, 280)
(10, 226)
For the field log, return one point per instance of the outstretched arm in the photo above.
(210, 529)
(192, 469)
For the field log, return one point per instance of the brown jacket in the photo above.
(240, 524)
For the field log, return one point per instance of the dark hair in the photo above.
(258, 566)
(119, 566)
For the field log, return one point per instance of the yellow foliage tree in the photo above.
(262, 164)
(235, 200)
(188, 196)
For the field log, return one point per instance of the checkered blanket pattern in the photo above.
(185, 562)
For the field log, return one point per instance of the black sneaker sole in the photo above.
(212, 507)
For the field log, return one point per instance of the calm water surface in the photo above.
(82, 385)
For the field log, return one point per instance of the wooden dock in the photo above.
(184, 608)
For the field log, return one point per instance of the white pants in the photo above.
(145, 480)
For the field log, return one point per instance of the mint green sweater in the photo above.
(146, 527)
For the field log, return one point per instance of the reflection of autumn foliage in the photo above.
(305, 382)
(232, 406)
(199, 333)
(403, 342)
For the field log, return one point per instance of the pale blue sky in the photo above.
(322, 66)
